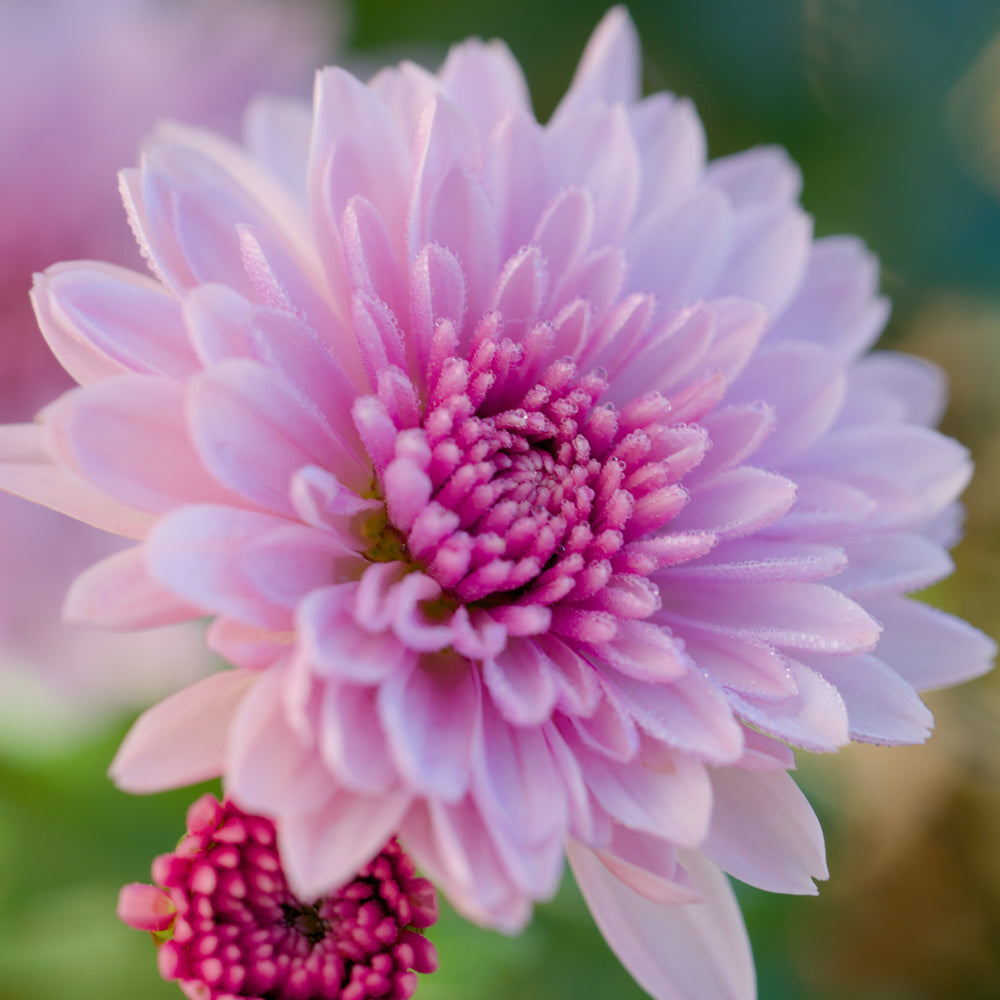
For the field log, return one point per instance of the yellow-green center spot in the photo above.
(387, 544)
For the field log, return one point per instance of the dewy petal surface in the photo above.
(535, 480)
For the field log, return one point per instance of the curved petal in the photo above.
(323, 848)
(691, 951)
(609, 68)
(764, 832)
(27, 469)
(183, 739)
(119, 593)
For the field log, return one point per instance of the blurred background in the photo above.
(892, 109)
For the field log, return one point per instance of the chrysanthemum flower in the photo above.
(80, 85)
(228, 925)
(537, 482)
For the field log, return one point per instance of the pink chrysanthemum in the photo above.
(80, 85)
(535, 479)
(230, 927)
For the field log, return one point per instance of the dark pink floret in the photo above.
(239, 931)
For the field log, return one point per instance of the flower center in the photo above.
(306, 920)
(240, 932)
(518, 487)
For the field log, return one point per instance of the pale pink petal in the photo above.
(836, 305)
(648, 866)
(815, 717)
(486, 81)
(269, 764)
(255, 450)
(102, 320)
(769, 255)
(28, 469)
(881, 706)
(119, 593)
(689, 714)
(672, 144)
(278, 132)
(886, 386)
(196, 553)
(429, 715)
(516, 780)
(351, 740)
(927, 647)
(669, 795)
(324, 847)
(127, 436)
(804, 385)
(690, 951)
(807, 616)
(609, 68)
(182, 740)
(892, 561)
(596, 150)
(764, 831)
(454, 846)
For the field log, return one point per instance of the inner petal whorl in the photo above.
(516, 491)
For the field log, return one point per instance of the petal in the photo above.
(881, 706)
(272, 768)
(769, 256)
(689, 714)
(278, 131)
(486, 81)
(807, 616)
(522, 683)
(609, 68)
(454, 845)
(28, 470)
(429, 715)
(648, 865)
(837, 304)
(661, 792)
(461, 218)
(886, 386)
(892, 560)
(351, 740)
(912, 472)
(805, 386)
(119, 593)
(182, 740)
(196, 553)
(678, 252)
(254, 432)
(517, 782)
(764, 831)
(928, 647)
(691, 951)
(815, 717)
(128, 436)
(738, 502)
(513, 168)
(672, 147)
(594, 149)
(323, 848)
(102, 320)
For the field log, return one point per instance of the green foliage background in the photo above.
(868, 98)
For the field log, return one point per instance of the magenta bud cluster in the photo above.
(234, 928)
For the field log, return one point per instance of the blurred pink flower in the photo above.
(537, 482)
(80, 85)
(229, 926)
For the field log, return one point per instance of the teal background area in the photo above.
(873, 99)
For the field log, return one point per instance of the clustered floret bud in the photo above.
(228, 925)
